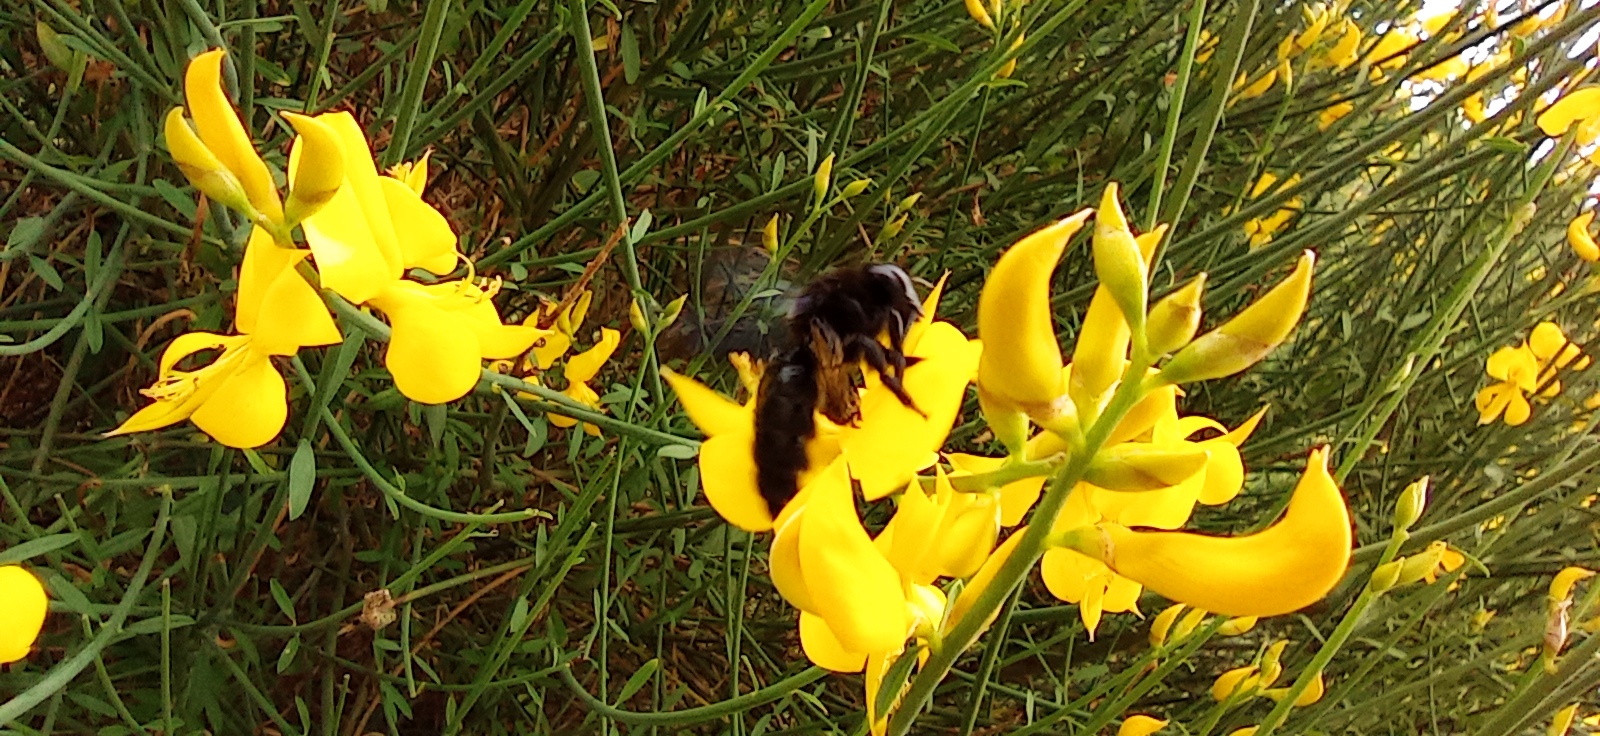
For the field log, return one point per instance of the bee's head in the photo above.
(900, 284)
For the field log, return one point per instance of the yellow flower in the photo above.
(222, 141)
(890, 443)
(441, 335)
(239, 399)
(373, 227)
(1281, 569)
(580, 370)
(1581, 108)
(1248, 90)
(1517, 372)
(1579, 238)
(23, 605)
(1261, 229)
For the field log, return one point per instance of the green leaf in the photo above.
(46, 272)
(638, 679)
(286, 657)
(281, 597)
(678, 452)
(24, 235)
(630, 55)
(936, 41)
(35, 547)
(302, 477)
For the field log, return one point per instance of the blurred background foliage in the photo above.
(186, 600)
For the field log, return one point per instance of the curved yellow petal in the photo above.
(967, 533)
(347, 255)
(425, 237)
(495, 338)
(584, 365)
(783, 562)
(893, 441)
(276, 305)
(1281, 569)
(728, 477)
(1561, 584)
(362, 181)
(23, 605)
(824, 649)
(249, 408)
(1518, 411)
(1546, 340)
(1224, 474)
(200, 166)
(318, 167)
(865, 607)
(1248, 336)
(1016, 497)
(1022, 363)
(913, 532)
(224, 134)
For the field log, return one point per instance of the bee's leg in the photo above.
(879, 359)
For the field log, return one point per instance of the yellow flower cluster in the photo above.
(1528, 369)
(362, 231)
(1129, 467)
(1261, 229)
(1326, 40)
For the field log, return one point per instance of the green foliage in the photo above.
(386, 567)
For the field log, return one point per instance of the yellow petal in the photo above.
(1546, 340)
(783, 561)
(1561, 584)
(1022, 365)
(1140, 725)
(1161, 625)
(865, 607)
(967, 533)
(249, 408)
(1578, 105)
(425, 237)
(434, 358)
(319, 167)
(362, 180)
(347, 255)
(728, 477)
(1235, 682)
(1237, 626)
(893, 441)
(1579, 238)
(1562, 721)
(1518, 411)
(1248, 336)
(584, 365)
(912, 532)
(712, 412)
(224, 134)
(824, 649)
(276, 305)
(23, 605)
(200, 166)
(1281, 569)
(1016, 498)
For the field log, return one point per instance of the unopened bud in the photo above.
(980, 14)
(967, 535)
(1561, 584)
(636, 317)
(1421, 565)
(1237, 626)
(318, 165)
(202, 167)
(1161, 625)
(1011, 66)
(1250, 335)
(769, 235)
(821, 181)
(1411, 504)
(1385, 576)
(60, 55)
(907, 203)
(1118, 261)
(1175, 319)
(670, 314)
(1142, 466)
(894, 227)
(854, 188)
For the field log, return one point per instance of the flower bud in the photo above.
(907, 203)
(980, 14)
(636, 317)
(1249, 336)
(1561, 584)
(894, 227)
(1175, 319)
(201, 167)
(317, 163)
(1238, 625)
(1011, 66)
(1422, 565)
(1140, 725)
(821, 180)
(769, 235)
(1385, 576)
(1272, 662)
(1411, 504)
(1237, 682)
(1118, 262)
(966, 534)
(1141, 466)
(670, 314)
(856, 187)
(60, 55)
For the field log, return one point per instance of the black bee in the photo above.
(834, 325)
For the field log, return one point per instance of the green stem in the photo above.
(1169, 137)
(416, 80)
(689, 716)
(600, 128)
